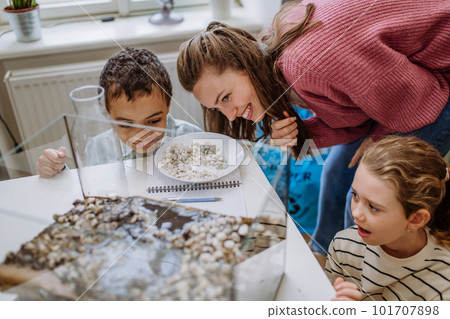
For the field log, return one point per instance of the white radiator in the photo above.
(40, 95)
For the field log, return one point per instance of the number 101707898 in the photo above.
(405, 310)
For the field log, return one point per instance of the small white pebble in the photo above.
(221, 236)
(235, 237)
(228, 244)
(243, 230)
(213, 230)
(259, 228)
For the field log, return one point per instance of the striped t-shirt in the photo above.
(424, 276)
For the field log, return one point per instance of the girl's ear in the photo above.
(418, 219)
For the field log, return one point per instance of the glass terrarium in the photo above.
(166, 237)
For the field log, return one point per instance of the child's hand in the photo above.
(51, 162)
(284, 132)
(346, 290)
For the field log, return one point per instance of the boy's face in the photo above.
(146, 109)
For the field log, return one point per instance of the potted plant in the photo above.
(24, 18)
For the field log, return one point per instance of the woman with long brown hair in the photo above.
(367, 69)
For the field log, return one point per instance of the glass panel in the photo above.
(64, 9)
(265, 244)
(50, 9)
(59, 245)
(136, 5)
(80, 2)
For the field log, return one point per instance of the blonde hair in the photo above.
(221, 47)
(419, 175)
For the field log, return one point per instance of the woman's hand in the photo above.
(284, 132)
(51, 162)
(360, 151)
(346, 290)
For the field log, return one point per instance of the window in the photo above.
(51, 9)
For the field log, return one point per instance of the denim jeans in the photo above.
(335, 181)
(334, 211)
(437, 133)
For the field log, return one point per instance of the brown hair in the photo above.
(419, 174)
(221, 47)
(134, 72)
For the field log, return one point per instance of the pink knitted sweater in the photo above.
(386, 61)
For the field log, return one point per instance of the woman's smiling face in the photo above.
(231, 92)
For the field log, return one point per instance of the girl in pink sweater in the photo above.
(365, 68)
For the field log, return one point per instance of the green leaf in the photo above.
(21, 4)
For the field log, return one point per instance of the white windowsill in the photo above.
(127, 31)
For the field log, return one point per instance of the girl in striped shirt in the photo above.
(399, 246)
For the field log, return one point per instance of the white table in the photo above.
(28, 204)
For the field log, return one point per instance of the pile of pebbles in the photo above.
(140, 249)
(193, 163)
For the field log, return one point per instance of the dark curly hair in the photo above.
(134, 72)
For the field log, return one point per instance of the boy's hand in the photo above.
(284, 132)
(346, 290)
(51, 162)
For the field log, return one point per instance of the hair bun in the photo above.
(214, 25)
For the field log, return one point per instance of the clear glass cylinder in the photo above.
(96, 145)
